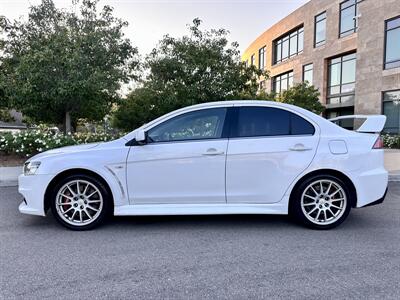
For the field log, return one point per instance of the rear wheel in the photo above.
(80, 202)
(321, 202)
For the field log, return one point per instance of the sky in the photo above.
(150, 20)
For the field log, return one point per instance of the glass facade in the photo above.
(348, 17)
(341, 79)
(289, 45)
(282, 82)
(391, 109)
(392, 43)
(320, 30)
(261, 58)
(308, 73)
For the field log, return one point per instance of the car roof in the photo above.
(319, 121)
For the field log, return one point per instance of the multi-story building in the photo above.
(349, 50)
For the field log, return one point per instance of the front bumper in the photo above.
(33, 188)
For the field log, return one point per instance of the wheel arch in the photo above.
(331, 172)
(69, 172)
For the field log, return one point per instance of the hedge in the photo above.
(391, 141)
(29, 142)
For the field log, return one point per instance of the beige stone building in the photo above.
(349, 50)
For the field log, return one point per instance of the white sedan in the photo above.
(233, 157)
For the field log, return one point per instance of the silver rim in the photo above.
(79, 202)
(323, 202)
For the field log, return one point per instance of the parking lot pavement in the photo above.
(229, 257)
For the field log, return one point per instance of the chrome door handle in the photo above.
(213, 151)
(299, 147)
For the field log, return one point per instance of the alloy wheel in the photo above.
(323, 202)
(79, 202)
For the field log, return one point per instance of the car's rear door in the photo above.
(269, 147)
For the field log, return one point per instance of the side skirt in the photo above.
(280, 208)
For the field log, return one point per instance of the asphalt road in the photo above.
(227, 257)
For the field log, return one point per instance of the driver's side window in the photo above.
(196, 125)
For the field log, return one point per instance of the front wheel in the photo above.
(321, 202)
(80, 202)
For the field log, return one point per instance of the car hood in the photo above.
(67, 149)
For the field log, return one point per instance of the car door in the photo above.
(269, 148)
(183, 161)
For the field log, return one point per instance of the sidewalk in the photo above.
(9, 175)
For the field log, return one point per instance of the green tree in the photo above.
(303, 95)
(63, 65)
(196, 68)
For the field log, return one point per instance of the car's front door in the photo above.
(182, 162)
(269, 148)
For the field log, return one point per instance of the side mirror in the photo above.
(140, 137)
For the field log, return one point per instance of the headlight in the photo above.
(31, 167)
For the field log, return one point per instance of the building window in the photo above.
(308, 73)
(392, 43)
(289, 45)
(347, 111)
(391, 109)
(261, 58)
(282, 82)
(262, 85)
(320, 30)
(348, 17)
(253, 60)
(342, 78)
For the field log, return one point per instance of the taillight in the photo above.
(378, 143)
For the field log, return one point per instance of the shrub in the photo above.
(303, 95)
(29, 142)
(391, 141)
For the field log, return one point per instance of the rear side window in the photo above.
(269, 121)
(300, 126)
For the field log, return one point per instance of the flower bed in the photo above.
(391, 141)
(29, 142)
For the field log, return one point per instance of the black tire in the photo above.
(300, 211)
(100, 216)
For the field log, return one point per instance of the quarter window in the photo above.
(392, 44)
(269, 121)
(320, 30)
(391, 109)
(197, 125)
(289, 45)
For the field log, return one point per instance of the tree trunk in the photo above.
(67, 122)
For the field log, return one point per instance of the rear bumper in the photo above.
(379, 201)
(370, 186)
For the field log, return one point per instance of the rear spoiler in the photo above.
(371, 124)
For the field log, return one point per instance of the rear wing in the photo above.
(371, 123)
